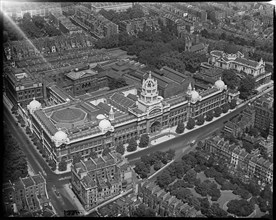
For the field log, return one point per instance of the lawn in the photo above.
(203, 177)
(226, 195)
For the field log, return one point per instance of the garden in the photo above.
(206, 184)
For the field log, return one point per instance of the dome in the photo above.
(104, 124)
(34, 104)
(220, 84)
(194, 96)
(100, 117)
(60, 136)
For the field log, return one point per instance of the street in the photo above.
(39, 165)
(179, 143)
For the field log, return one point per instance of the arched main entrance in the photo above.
(155, 127)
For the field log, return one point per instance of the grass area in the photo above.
(226, 195)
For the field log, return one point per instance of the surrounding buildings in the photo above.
(138, 24)
(264, 107)
(21, 86)
(99, 179)
(116, 6)
(16, 11)
(24, 50)
(64, 24)
(26, 194)
(94, 22)
(163, 203)
(252, 164)
(239, 63)
(240, 123)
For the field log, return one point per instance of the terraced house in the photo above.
(23, 50)
(254, 165)
(163, 203)
(94, 22)
(99, 179)
(26, 194)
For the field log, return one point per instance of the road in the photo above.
(39, 165)
(181, 142)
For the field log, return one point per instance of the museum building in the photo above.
(112, 117)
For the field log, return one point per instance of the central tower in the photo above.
(149, 97)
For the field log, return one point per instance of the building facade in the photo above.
(163, 203)
(264, 108)
(239, 63)
(26, 194)
(99, 179)
(94, 22)
(75, 126)
(21, 87)
(252, 164)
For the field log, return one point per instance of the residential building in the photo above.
(116, 6)
(239, 63)
(133, 26)
(43, 49)
(252, 164)
(240, 123)
(163, 203)
(264, 107)
(99, 179)
(26, 194)
(64, 24)
(16, 11)
(217, 15)
(21, 86)
(94, 22)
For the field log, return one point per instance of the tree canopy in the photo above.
(15, 161)
(190, 123)
(132, 145)
(180, 128)
(144, 141)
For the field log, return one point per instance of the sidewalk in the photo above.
(162, 168)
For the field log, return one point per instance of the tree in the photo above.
(240, 207)
(144, 141)
(164, 179)
(170, 154)
(230, 78)
(233, 104)
(247, 85)
(200, 120)
(157, 165)
(93, 154)
(216, 211)
(14, 159)
(120, 149)
(76, 158)
(62, 166)
(225, 108)
(209, 115)
(180, 128)
(190, 124)
(105, 151)
(217, 112)
(132, 145)
(141, 169)
(147, 160)
(190, 176)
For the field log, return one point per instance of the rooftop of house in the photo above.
(28, 181)
(38, 179)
